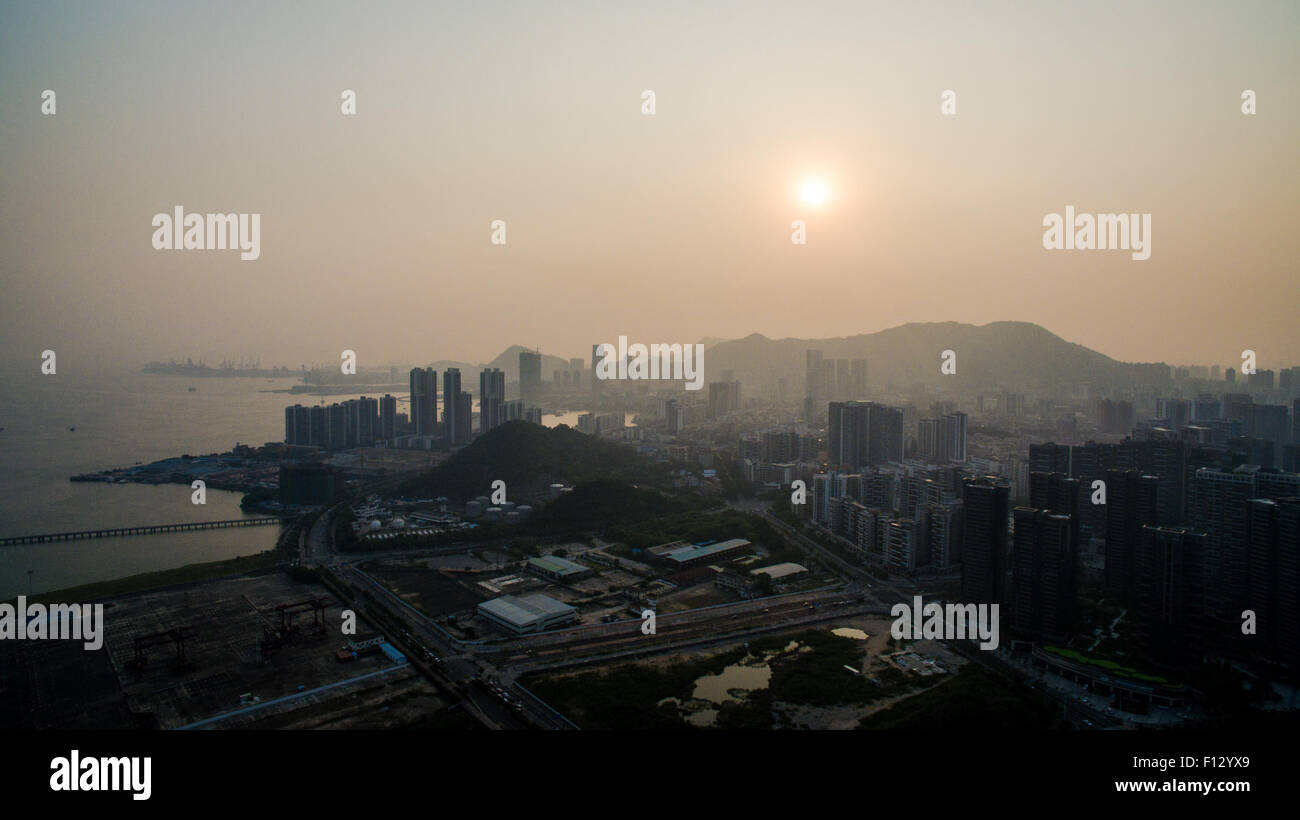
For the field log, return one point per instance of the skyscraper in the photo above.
(861, 433)
(927, 439)
(1131, 504)
(367, 421)
(424, 401)
(954, 437)
(530, 377)
(388, 417)
(316, 423)
(491, 398)
(984, 540)
(455, 429)
(336, 423)
(1043, 561)
(1220, 511)
(1169, 593)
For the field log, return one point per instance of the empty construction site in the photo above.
(250, 652)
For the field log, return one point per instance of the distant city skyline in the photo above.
(376, 230)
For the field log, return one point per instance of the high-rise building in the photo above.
(905, 546)
(954, 437)
(316, 422)
(1131, 504)
(336, 424)
(1050, 458)
(456, 430)
(943, 528)
(367, 420)
(1270, 422)
(424, 401)
(1168, 609)
(388, 417)
(928, 437)
(862, 433)
(530, 377)
(297, 425)
(1287, 569)
(576, 372)
(1043, 559)
(1057, 493)
(1220, 511)
(491, 398)
(352, 421)
(984, 540)
(673, 417)
(1177, 412)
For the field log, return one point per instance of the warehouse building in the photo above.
(779, 572)
(557, 569)
(530, 613)
(690, 555)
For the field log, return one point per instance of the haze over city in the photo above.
(917, 378)
(674, 226)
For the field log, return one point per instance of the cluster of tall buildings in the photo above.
(367, 422)
(571, 379)
(357, 422)
(904, 517)
(1194, 536)
(1185, 574)
(1187, 524)
(774, 458)
(901, 513)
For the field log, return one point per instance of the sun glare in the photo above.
(814, 192)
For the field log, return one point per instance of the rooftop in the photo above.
(694, 551)
(559, 566)
(782, 570)
(526, 610)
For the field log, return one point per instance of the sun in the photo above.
(814, 192)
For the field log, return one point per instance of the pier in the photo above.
(150, 530)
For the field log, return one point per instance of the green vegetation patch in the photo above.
(1109, 666)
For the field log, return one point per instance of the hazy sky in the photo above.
(375, 229)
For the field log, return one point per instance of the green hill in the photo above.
(529, 458)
